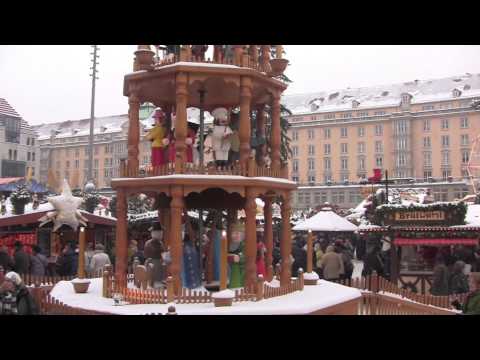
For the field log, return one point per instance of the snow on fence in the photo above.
(32, 280)
(295, 285)
(51, 306)
(378, 284)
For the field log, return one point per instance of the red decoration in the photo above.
(434, 242)
(377, 176)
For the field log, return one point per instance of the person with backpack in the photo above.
(15, 299)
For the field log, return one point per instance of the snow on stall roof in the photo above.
(383, 95)
(325, 220)
(473, 215)
(28, 208)
(312, 298)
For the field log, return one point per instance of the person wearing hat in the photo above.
(15, 299)
(158, 136)
(198, 52)
(221, 136)
(236, 257)
(21, 259)
(153, 251)
(189, 141)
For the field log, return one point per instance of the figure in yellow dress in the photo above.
(158, 136)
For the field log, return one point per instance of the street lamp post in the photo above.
(92, 114)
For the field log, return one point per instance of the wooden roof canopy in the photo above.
(222, 85)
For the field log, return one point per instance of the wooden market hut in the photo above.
(243, 82)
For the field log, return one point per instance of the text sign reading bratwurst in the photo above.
(420, 215)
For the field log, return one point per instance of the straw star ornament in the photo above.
(66, 210)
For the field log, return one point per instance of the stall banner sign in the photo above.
(437, 215)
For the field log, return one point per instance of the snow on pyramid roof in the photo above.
(472, 217)
(325, 220)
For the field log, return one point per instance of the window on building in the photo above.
(378, 130)
(327, 149)
(465, 156)
(87, 150)
(327, 133)
(334, 197)
(77, 164)
(426, 125)
(311, 179)
(444, 124)
(300, 198)
(294, 135)
(427, 159)
(361, 132)
(295, 179)
(327, 163)
(378, 146)
(12, 130)
(428, 107)
(294, 150)
(307, 198)
(28, 141)
(401, 127)
(445, 141)
(344, 163)
(464, 141)
(341, 197)
(96, 150)
(379, 161)
(67, 164)
(464, 123)
(327, 178)
(295, 165)
(426, 142)
(317, 198)
(28, 156)
(14, 154)
(361, 163)
(445, 158)
(401, 159)
(346, 115)
(343, 132)
(427, 174)
(379, 113)
(465, 174)
(311, 150)
(108, 148)
(324, 197)
(361, 148)
(401, 143)
(311, 164)
(352, 198)
(362, 114)
(344, 148)
(33, 156)
(445, 175)
(344, 177)
(33, 171)
(311, 134)
(95, 163)
(10, 154)
(32, 142)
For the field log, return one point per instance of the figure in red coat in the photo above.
(189, 141)
(261, 268)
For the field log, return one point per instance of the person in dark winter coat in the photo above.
(6, 260)
(300, 258)
(458, 283)
(15, 299)
(38, 262)
(471, 305)
(21, 258)
(66, 262)
(440, 278)
(373, 262)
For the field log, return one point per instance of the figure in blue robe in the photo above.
(191, 277)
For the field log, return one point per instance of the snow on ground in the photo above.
(313, 298)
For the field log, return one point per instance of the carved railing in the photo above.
(251, 170)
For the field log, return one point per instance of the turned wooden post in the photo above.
(244, 131)
(309, 252)
(181, 122)
(81, 254)
(176, 209)
(286, 241)
(268, 234)
(253, 50)
(259, 290)
(279, 51)
(301, 278)
(106, 285)
(276, 132)
(261, 133)
(121, 241)
(170, 290)
(250, 240)
(223, 261)
(133, 133)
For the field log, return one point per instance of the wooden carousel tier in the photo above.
(226, 191)
(221, 83)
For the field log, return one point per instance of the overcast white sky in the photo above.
(52, 83)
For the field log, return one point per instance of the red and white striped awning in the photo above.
(435, 242)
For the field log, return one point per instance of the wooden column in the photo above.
(81, 253)
(276, 132)
(268, 235)
(121, 241)
(223, 261)
(181, 122)
(393, 262)
(261, 131)
(286, 241)
(244, 131)
(250, 240)
(133, 133)
(231, 219)
(310, 252)
(176, 209)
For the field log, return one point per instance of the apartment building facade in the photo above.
(19, 147)
(420, 130)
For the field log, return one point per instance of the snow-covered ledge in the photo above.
(312, 299)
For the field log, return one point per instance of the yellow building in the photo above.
(421, 130)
